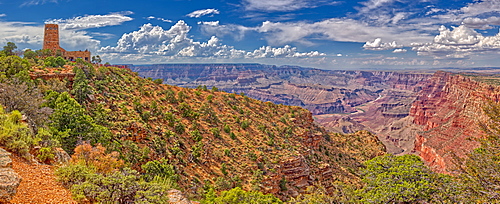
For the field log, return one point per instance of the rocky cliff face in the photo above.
(449, 110)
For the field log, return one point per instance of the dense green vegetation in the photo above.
(94, 176)
(238, 196)
(133, 139)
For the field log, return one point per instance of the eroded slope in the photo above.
(221, 139)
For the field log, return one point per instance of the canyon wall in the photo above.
(320, 91)
(449, 110)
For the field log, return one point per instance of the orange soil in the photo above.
(38, 184)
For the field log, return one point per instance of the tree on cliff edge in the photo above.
(9, 48)
(401, 179)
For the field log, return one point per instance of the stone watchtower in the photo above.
(51, 37)
(51, 42)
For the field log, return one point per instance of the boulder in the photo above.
(5, 161)
(9, 179)
(177, 197)
(61, 156)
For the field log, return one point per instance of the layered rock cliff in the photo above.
(449, 110)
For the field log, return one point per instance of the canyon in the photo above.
(435, 115)
(320, 91)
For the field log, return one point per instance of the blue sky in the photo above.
(330, 34)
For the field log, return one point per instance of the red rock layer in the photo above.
(450, 109)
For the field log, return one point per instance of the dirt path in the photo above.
(38, 184)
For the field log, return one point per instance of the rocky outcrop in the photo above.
(177, 197)
(310, 138)
(9, 179)
(296, 174)
(58, 76)
(449, 110)
(60, 156)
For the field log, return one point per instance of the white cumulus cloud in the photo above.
(286, 51)
(399, 51)
(21, 33)
(460, 42)
(92, 21)
(160, 19)
(377, 44)
(175, 43)
(209, 23)
(481, 23)
(215, 28)
(335, 29)
(29, 35)
(204, 12)
(483, 9)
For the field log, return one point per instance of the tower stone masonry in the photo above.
(51, 42)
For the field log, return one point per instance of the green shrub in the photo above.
(160, 171)
(196, 135)
(223, 169)
(209, 98)
(123, 186)
(283, 182)
(15, 135)
(146, 115)
(227, 128)
(187, 111)
(170, 96)
(179, 128)
(245, 124)
(45, 154)
(397, 179)
(73, 174)
(71, 123)
(196, 150)
(215, 132)
(181, 96)
(158, 81)
(170, 118)
(238, 196)
(227, 152)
